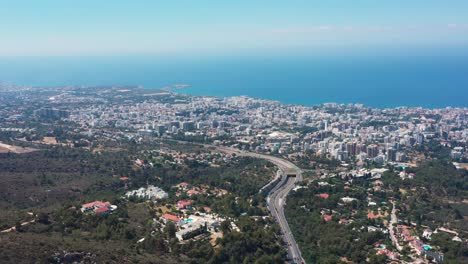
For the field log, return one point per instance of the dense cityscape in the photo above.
(301, 179)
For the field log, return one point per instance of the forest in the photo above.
(50, 185)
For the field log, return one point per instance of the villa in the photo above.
(98, 207)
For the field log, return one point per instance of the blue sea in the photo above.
(381, 81)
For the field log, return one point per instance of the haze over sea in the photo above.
(384, 81)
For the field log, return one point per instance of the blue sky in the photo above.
(93, 27)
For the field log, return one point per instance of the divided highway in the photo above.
(290, 174)
(277, 196)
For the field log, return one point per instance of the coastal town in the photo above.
(361, 166)
(338, 130)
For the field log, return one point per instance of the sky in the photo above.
(128, 27)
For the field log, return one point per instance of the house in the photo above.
(102, 210)
(343, 221)
(183, 185)
(372, 216)
(124, 179)
(87, 207)
(323, 195)
(436, 256)
(150, 192)
(184, 204)
(348, 199)
(390, 254)
(172, 218)
(192, 192)
(191, 229)
(427, 233)
(327, 217)
(97, 207)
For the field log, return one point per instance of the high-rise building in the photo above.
(391, 154)
(175, 124)
(400, 157)
(51, 113)
(161, 129)
(188, 126)
(419, 138)
(351, 148)
(372, 151)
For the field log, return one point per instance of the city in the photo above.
(350, 168)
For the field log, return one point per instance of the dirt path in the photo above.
(5, 148)
(13, 228)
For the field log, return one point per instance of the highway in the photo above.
(277, 196)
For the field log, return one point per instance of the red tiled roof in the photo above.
(101, 204)
(192, 192)
(124, 178)
(97, 204)
(171, 217)
(101, 210)
(185, 202)
(327, 217)
(372, 216)
(91, 204)
(323, 195)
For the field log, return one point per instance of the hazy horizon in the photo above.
(186, 28)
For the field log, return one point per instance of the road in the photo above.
(277, 197)
(394, 220)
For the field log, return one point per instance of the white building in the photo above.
(150, 193)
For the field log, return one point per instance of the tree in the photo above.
(170, 230)
(43, 218)
(18, 227)
(102, 231)
(377, 259)
(225, 226)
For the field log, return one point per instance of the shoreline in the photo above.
(181, 89)
(177, 91)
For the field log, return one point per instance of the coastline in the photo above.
(376, 82)
(183, 91)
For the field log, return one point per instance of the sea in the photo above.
(376, 81)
